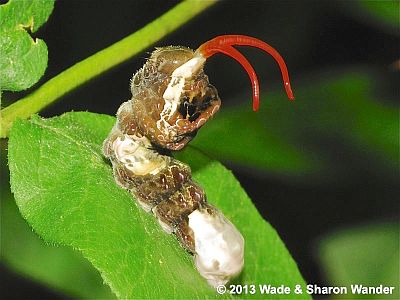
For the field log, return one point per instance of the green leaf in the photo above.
(367, 255)
(284, 137)
(23, 59)
(65, 189)
(60, 268)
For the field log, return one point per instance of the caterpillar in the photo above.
(171, 100)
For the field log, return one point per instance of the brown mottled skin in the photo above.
(148, 86)
(171, 194)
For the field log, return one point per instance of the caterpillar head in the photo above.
(172, 97)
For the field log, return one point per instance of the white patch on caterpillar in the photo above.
(133, 153)
(219, 246)
(145, 206)
(174, 90)
(167, 228)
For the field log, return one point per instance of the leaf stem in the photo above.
(100, 62)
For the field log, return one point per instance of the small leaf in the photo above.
(367, 255)
(65, 189)
(23, 60)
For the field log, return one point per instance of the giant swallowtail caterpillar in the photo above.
(172, 99)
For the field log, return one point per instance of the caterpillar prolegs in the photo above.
(171, 100)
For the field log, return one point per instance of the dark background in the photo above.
(314, 37)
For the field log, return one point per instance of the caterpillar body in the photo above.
(171, 100)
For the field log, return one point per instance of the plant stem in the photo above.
(100, 62)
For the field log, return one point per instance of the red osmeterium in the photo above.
(235, 54)
(223, 44)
